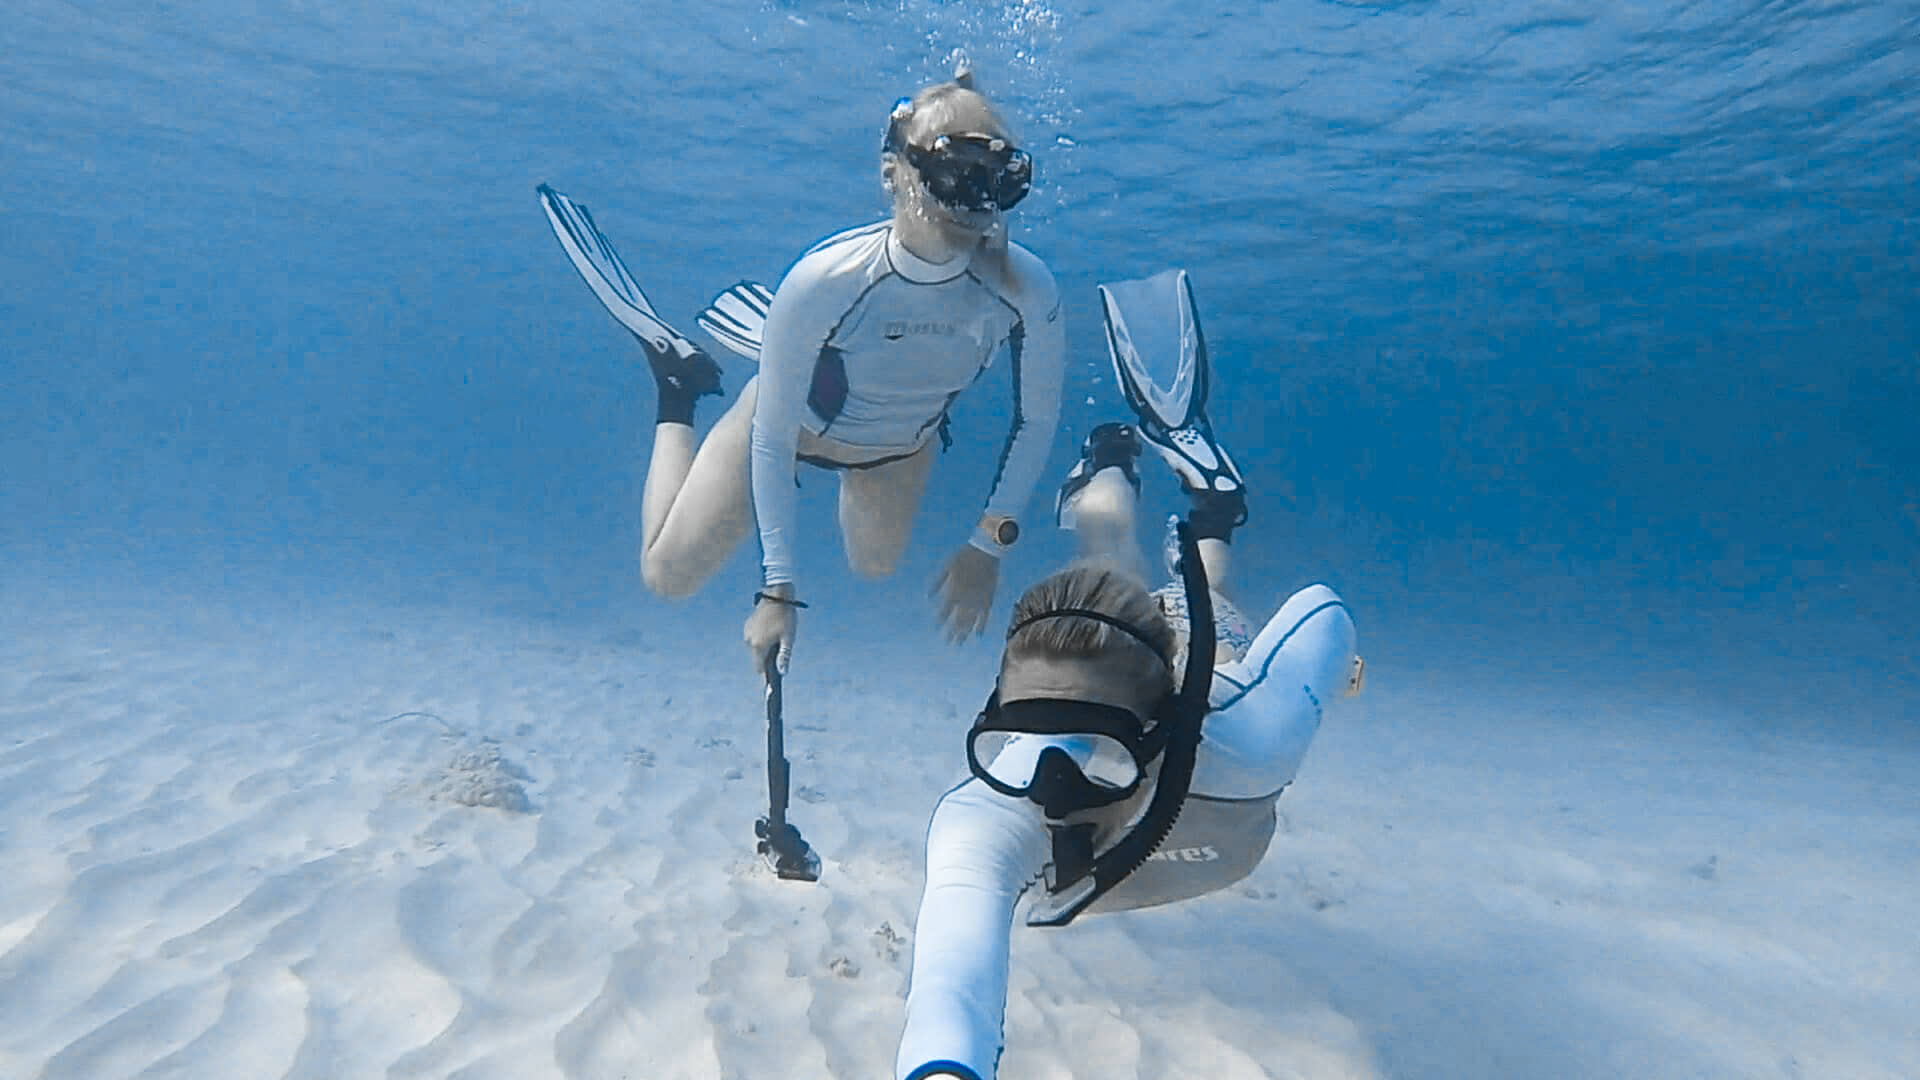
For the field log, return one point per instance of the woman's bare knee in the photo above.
(875, 559)
(670, 578)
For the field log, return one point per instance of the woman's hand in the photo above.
(965, 590)
(770, 629)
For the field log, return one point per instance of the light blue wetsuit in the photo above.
(985, 849)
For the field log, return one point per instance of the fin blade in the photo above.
(1158, 353)
(600, 266)
(737, 317)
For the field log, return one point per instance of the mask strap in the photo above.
(1097, 616)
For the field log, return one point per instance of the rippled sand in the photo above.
(426, 843)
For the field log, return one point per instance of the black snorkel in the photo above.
(1070, 893)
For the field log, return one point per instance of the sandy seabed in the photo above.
(421, 842)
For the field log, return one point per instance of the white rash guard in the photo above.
(985, 849)
(869, 345)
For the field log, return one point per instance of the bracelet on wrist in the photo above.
(774, 598)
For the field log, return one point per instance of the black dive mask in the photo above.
(972, 172)
(1102, 752)
(963, 172)
(1096, 755)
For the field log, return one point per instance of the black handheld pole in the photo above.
(780, 843)
(778, 771)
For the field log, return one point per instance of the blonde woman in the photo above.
(865, 345)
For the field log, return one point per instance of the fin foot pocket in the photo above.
(1195, 456)
(1107, 446)
(693, 374)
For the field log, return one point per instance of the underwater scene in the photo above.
(510, 513)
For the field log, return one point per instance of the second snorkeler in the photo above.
(864, 346)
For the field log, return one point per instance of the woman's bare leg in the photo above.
(877, 506)
(1217, 557)
(697, 505)
(1106, 521)
(1101, 499)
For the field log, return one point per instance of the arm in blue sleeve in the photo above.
(1038, 372)
(789, 345)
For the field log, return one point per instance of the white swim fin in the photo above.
(593, 255)
(1160, 360)
(737, 316)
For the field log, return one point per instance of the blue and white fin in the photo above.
(1159, 355)
(737, 316)
(593, 255)
(1160, 361)
(1196, 456)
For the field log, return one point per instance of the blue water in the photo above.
(1566, 340)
